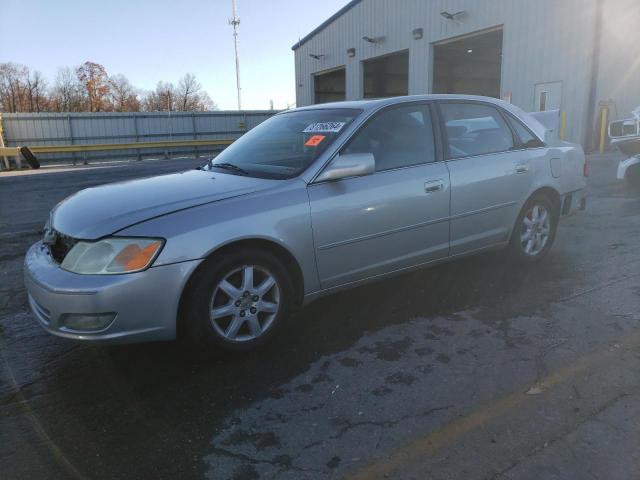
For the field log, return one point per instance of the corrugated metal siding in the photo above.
(544, 41)
(619, 79)
(33, 129)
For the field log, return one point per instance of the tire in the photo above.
(532, 236)
(30, 158)
(632, 178)
(220, 314)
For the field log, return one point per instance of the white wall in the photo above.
(544, 41)
(619, 78)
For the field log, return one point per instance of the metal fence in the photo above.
(38, 129)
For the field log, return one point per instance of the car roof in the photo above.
(376, 103)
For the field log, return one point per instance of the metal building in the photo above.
(573, 55)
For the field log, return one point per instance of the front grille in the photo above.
(61, 247)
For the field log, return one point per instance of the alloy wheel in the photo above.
(535, 230)
(245, 303)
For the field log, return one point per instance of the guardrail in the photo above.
(98, 128)
(17, 153)
(5, 153)
(9, 151)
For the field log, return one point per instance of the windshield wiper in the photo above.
(229, 166)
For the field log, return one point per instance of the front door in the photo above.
(393, 219)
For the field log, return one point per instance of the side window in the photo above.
(527, 139)
(400, 137)
(474, 129)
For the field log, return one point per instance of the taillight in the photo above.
(585, 169)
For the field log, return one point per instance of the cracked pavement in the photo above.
(480, 369)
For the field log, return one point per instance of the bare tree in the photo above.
(66, 95)
(205, 103)
(188, 90)
(21, 90)
(162, 99)
(36, 87)
(191, 97)
(7, 97)
(124, 96)
(88, 87)
(13, 87)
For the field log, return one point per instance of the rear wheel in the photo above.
(535, 230)
(238, 300)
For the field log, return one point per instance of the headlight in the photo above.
(112, 256)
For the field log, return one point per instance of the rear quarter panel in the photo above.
(559, 167)
(572, 174)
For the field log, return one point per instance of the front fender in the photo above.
(280, 215)
(625, 165)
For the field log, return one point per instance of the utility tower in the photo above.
(235, 23)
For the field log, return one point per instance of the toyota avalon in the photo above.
(310, 202)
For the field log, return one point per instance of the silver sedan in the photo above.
(312, 201)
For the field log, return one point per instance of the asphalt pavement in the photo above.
(479, 369)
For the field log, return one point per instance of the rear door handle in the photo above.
(522, 168)
(434, 186)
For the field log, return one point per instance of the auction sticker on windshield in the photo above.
(315, 141)
(325, 127)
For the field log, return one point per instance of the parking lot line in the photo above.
(23, 403)
(435, 441)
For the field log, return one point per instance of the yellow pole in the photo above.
(7, 165)
(603, 129)
(563, 125)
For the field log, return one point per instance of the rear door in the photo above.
(490, 174)
(393, 219)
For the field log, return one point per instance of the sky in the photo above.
(153, 40)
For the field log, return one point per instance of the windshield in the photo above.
(285, 145)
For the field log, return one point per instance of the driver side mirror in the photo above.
(349, 165)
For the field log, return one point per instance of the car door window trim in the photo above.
(382, 172)
(445, 138)
(510, 119)
(438, 152)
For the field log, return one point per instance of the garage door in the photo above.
(386, 76)
(469, 65)
(330, 86)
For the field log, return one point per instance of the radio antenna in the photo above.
(235, 23)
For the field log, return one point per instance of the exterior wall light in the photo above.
(373, 40)
(351, 52)
(418, 33)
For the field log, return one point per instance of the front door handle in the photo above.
(435, 186)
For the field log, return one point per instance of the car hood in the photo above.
(100, 211)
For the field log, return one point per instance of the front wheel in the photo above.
(535, 230)
(238, 300)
